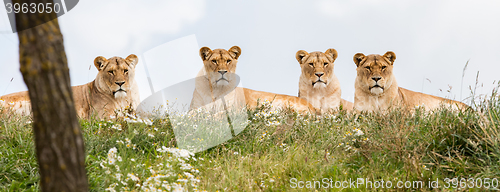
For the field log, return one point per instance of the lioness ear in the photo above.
(205, 52)
(99, 62)
(391, 56)
(332, 54)
(358, 58)
(300, 55)
(235, 52)
(132, 59)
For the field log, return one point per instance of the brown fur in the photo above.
(212, 86)
(318, 83)
(376, 88)
(100, 97)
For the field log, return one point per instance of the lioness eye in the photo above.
(367, 67)
(110, 72)
(383, 67)
(325, 64)
(214, 61)
(311, 64)
(125, 71)
(228, 61)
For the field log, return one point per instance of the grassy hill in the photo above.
(281, 151)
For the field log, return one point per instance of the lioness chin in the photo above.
(218, 80)
(376, 88)
(318, 84)
(113, 88)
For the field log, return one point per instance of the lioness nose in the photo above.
(120, 83)
(319, 74)
(222, 72)
(376, 78)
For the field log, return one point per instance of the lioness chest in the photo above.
(374, 103)
(322, 99)
(324, 103)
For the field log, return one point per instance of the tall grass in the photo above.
(395, 146)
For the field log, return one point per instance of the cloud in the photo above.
(112, 25)
(342, 9)
(107, 28)
(119, 28)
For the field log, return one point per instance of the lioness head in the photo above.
(220, 65)
(317, 66)
(375, 72)
(115, 75)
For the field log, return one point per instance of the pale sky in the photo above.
(432, 40)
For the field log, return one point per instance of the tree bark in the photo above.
(58, 137)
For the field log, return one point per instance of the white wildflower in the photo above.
(133, 177)
(358, 132)
(118, 176)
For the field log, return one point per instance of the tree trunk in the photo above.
(58, 137)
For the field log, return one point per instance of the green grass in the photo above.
(395, 146)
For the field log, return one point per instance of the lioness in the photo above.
(318, 83)
(113, 88)
(218, 81)
(376, 88)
